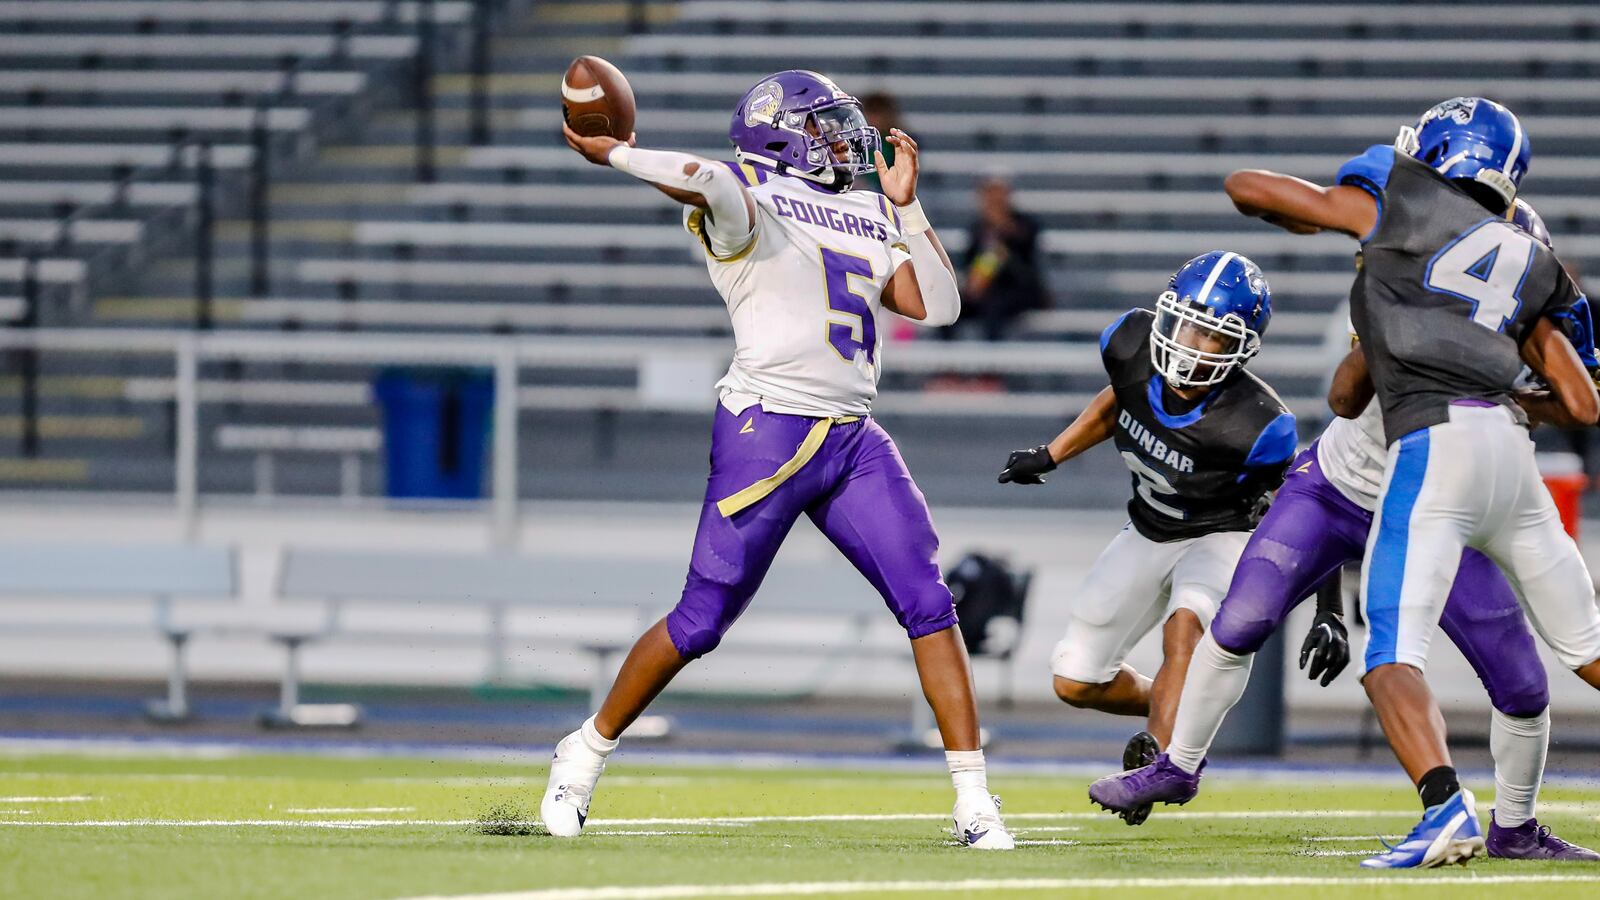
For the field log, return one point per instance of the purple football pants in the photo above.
(1312, 529)
(857, 491)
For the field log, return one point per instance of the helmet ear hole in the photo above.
(1437, 154)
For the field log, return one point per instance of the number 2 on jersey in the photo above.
(837, 269)
(1152, 483)
(1485, 267)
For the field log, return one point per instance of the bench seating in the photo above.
(501, 584)
(86, 231)
(180, 85)
(268, 441)
(147, 118)
(157, 574)
(1035, 15)
(262, 48)
(51, 155)
(229, 12)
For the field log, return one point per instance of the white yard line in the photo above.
(82, 798)
(640, 833)
(1560, 806)
(1347, 838)
(1042, 816)
(346, 810)
(243, 823)
(1372, 852)
(713, 820)
(812, 888)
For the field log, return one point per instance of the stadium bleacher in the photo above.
(1115, 121)
(104, 107)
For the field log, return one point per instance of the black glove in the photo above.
(1327, 648)
(1028, 466)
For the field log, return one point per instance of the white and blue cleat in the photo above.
(573, 774)
(1448, 833)
(977, 823)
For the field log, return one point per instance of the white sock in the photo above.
(1518, 747)
(601, 746)
(967, 771)
(1215, 682)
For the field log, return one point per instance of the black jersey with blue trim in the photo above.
(1198, 467)
(1446, 293)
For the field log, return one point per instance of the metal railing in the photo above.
(189, 349)
(508, 357)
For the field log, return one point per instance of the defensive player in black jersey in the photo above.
(1450, 300)
(1207, 442)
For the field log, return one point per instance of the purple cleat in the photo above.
(1530, 840)
(1159, 782)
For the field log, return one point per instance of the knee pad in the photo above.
(1253, 609)
(692, 641)
(1239, 634)
(1521, 701)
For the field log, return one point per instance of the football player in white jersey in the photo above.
(804, 264)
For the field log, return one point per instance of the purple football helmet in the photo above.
(802, 123)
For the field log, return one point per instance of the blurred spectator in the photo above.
(883, 113)
(1003, 279)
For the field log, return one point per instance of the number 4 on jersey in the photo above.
(1485, 267)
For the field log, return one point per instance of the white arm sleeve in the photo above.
(941, 297)
(729, 228)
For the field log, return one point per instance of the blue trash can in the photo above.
(435, 430)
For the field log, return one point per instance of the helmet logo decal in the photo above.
(1461, 109)
(1258, 285)
(764, 103)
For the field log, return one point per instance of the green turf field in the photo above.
(389, 828)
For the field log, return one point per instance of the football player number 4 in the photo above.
(1152, 483)
(843, 302)
(1485, 267)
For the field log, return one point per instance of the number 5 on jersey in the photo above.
(838, 267)
(1485, 267)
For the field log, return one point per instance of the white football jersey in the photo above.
(1353, 455)
(805, 295)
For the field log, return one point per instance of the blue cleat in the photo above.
(1448, 833)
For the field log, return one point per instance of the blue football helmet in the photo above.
(1523, 216)
(1473, 139)
(1210, 319)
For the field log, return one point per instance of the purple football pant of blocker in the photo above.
(1312, 530)
(855, 489)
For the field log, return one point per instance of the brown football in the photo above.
(596, 99)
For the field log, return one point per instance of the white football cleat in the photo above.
(573, 773)
(978, 824)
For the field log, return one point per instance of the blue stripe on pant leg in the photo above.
(1388, 561)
